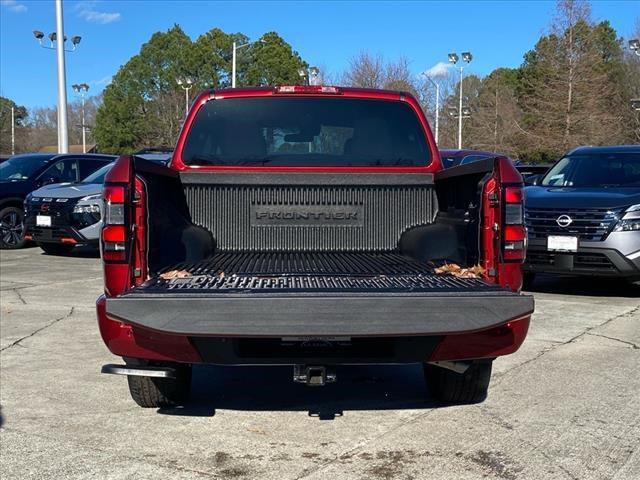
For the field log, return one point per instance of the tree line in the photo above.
(573, 88)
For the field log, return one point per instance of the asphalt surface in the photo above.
(566, 405)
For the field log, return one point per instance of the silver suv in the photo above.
(583, 215)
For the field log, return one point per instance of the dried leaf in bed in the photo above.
(170, 275)
(448, 268)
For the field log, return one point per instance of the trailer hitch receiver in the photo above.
(313, 375)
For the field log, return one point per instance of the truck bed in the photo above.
(326, 294)
(311, 272)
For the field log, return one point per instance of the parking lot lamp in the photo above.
(186, 84)
(453, 58)
(634, 45)
(57, 40)
(13, 131)
(234, 56)
(81, 89)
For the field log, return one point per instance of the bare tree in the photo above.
(365, 71)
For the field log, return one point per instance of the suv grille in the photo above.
(588, 224)
(581, 261)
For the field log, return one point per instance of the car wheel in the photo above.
(11, 228)
(153, 392)
(459, 388)
(56, 248)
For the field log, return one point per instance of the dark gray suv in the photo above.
(583, 215)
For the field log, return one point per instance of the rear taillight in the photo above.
(114, 231)
(515, 234)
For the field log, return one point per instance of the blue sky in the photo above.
(325, 33)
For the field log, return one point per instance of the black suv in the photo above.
(22, 174)
(583, 215)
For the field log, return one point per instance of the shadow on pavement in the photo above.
(369, 387)
(587, 286)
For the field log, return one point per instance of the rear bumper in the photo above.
(235, 330)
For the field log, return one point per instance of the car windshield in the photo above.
(22, 167)
(98, 175)
(304, 131)
(595, 170)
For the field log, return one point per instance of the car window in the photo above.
(98, 175)
(306, 132)
(21, 167)
(61, 172)
(90, 165)
(595, 170)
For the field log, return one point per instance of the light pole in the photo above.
(13, 131)
(81, 89)
(186, 84)
(634, 45)
(59, 38)
(453, 58)
(233, 59)
(437, 102)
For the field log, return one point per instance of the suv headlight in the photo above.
(86, 209)
(630, 221)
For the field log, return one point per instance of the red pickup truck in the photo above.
(308, 226)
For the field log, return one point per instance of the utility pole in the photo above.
(460, 113)
(81, 89)
(453, 58)
(234, 56)
(186, 84)
(59, 39)
(13, 132)
(233, 66)
(63, 134)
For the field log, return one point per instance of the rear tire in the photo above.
(56, 248)
(152, 392)
(11, 228)
(459, 388)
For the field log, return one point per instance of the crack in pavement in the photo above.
(19, 295)
(53, 322)
(631, 344)
(571, 340)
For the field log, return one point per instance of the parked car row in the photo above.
(55, 200)
(582, 214)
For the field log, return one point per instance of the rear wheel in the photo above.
(460, 388)
(152, 392)
(56, 248)
(11, 228)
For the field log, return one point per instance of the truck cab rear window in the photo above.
(304, 131)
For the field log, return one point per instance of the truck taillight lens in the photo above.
(114, 232)
(515, 234)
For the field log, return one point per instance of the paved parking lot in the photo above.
(567, 405)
